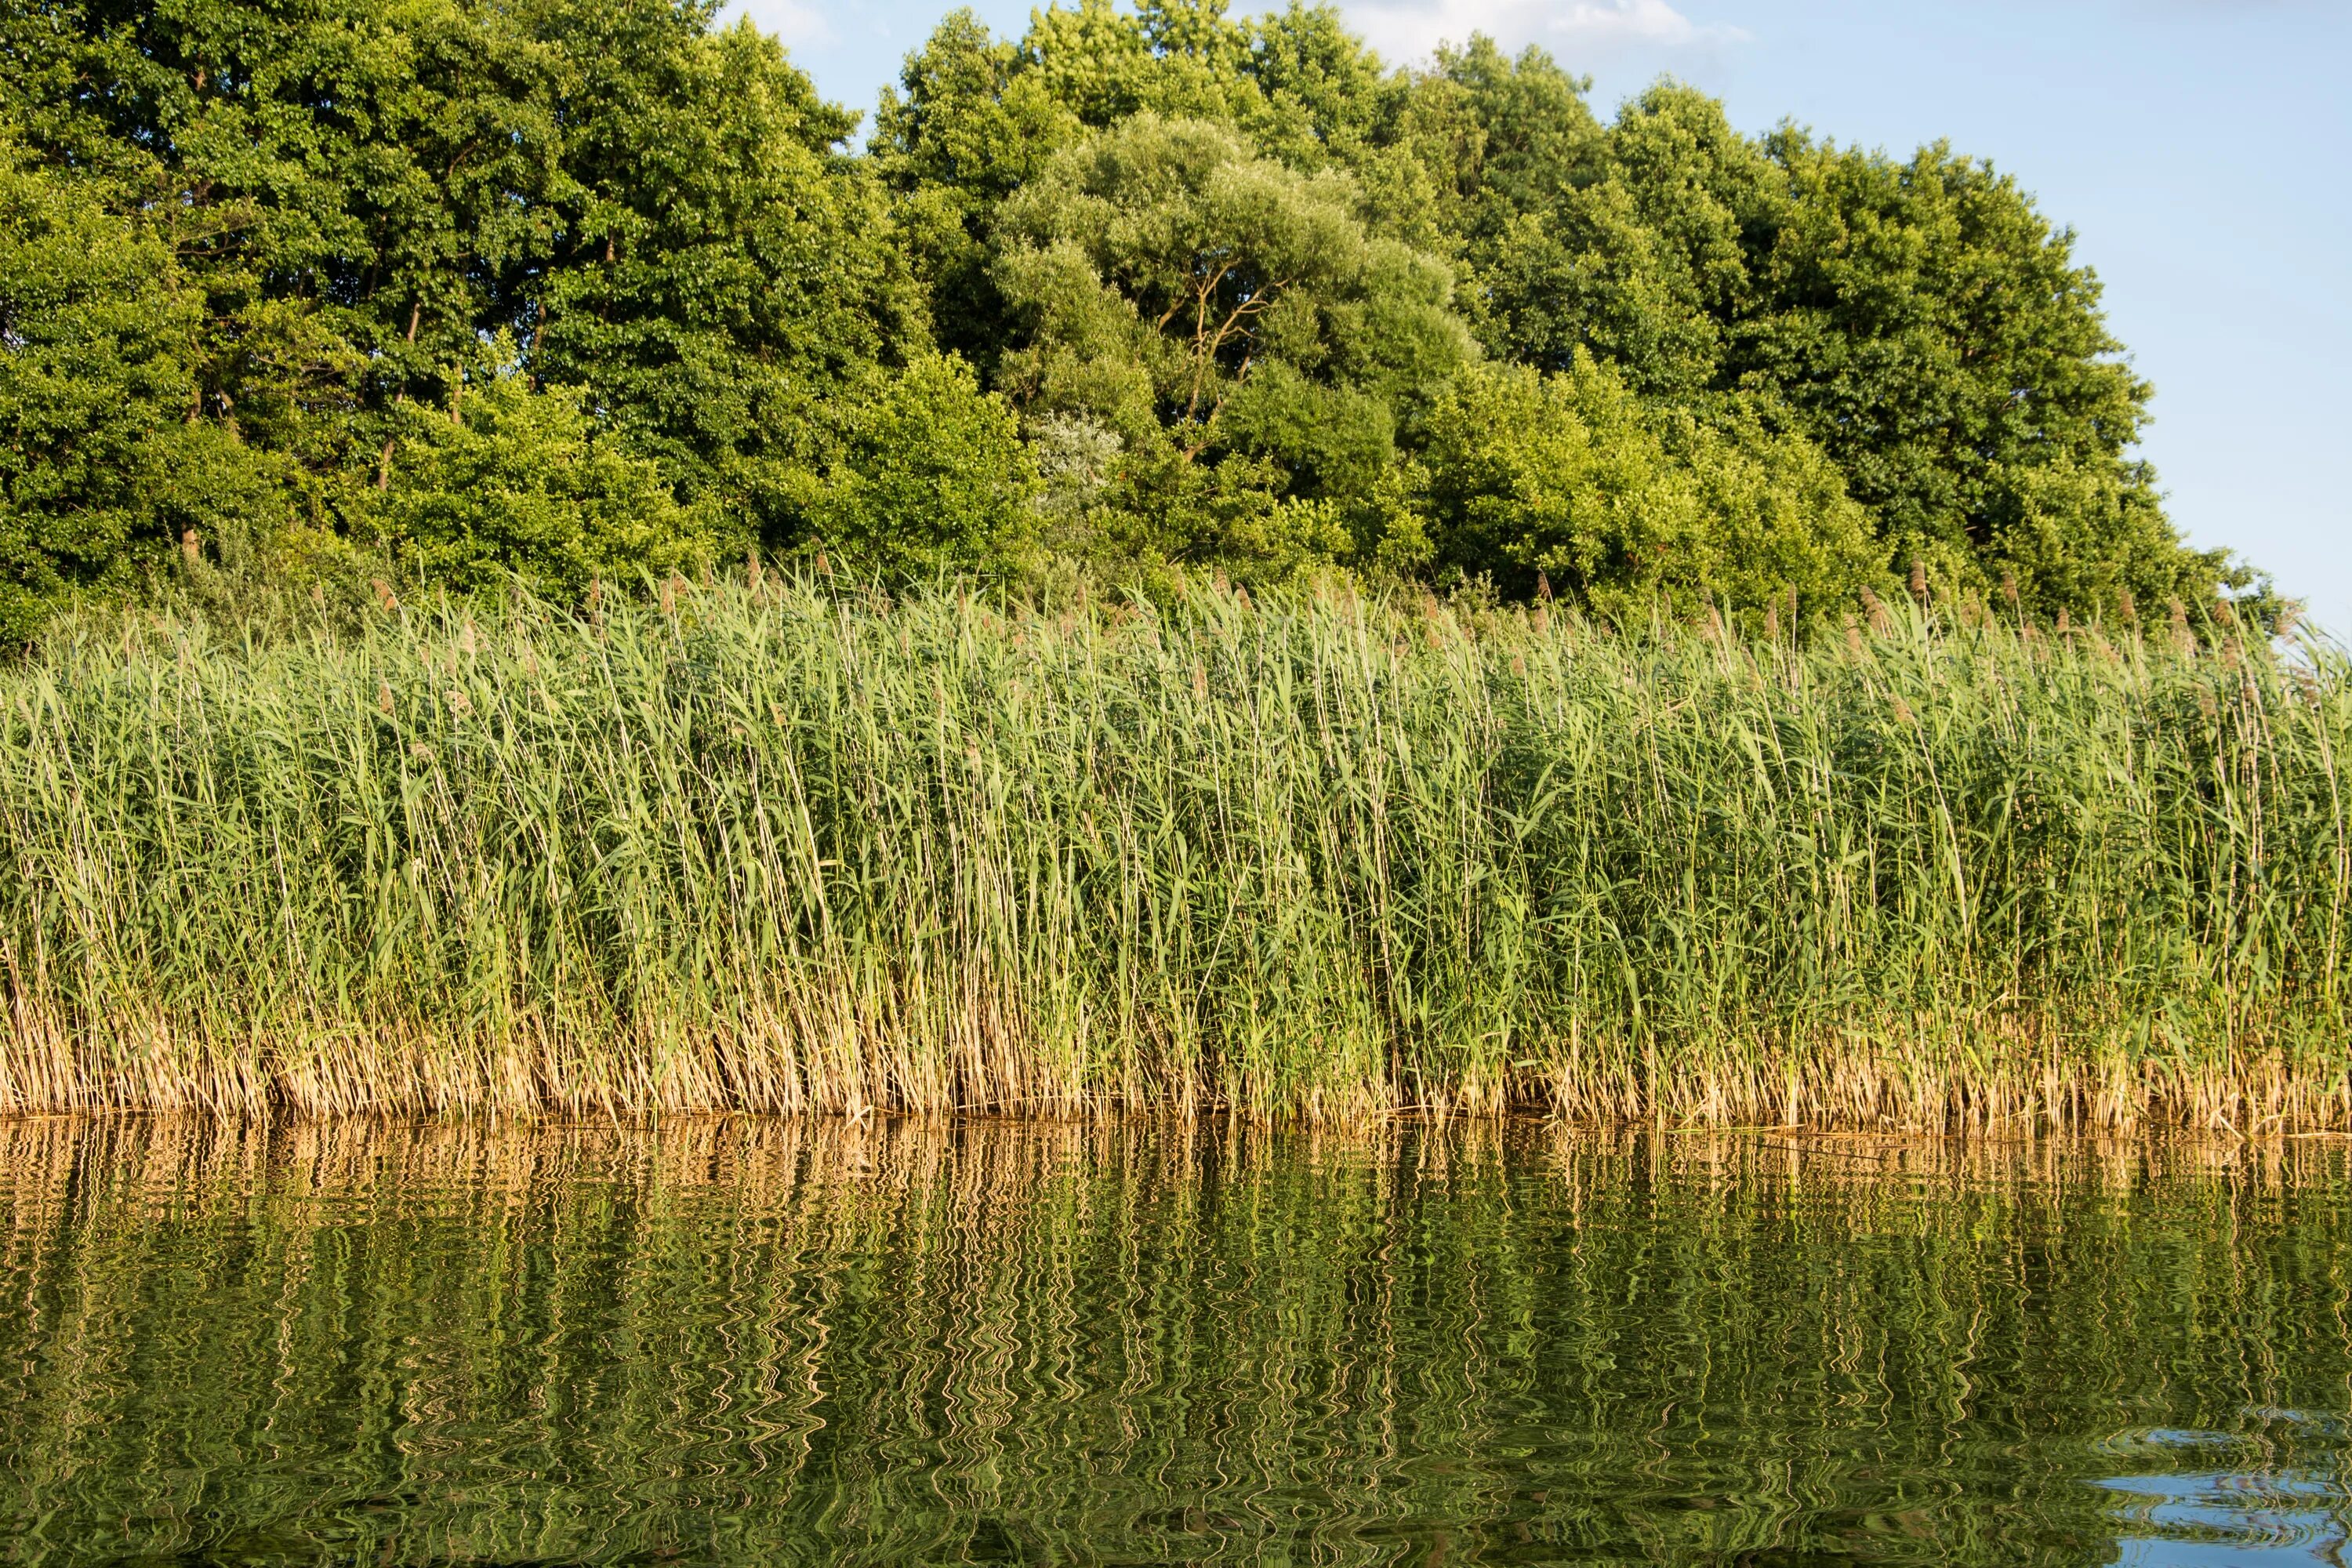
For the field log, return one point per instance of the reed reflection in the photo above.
(756, 1341)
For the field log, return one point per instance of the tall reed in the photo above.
(800, 848)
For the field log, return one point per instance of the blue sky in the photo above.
(2199, 148)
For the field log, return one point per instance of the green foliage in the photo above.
(1643, 259)
(1919, 321)
(1225, 314)
(1933, 334)
(1222, 270)
(95, 334)
(729, 274)
(1631, 506)
(511, 481)
(1502, 137)
(355, 199)
(969, 129)
(926, 473)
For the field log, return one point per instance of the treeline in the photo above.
(455, 290)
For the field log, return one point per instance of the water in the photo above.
(746, 1342)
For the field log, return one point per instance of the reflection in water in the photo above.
(737, 1342)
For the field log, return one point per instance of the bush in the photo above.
(515, 480)
(1628, 505)
(926, 473)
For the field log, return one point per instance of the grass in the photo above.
(797, 848)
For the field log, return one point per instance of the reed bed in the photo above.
(786, 847)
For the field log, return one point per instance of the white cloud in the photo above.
(1581, 31)
(1638, 21)
(797, 25)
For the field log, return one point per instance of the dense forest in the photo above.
(456, 290)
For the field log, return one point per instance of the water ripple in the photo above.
(737, 1342)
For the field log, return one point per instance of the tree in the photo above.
(516, 481)
(349, 191)
(1928, 327)
(1628, 505)
(1209, 304)
(1642, 254)
(1507, 137)
(96, 336)
(926, 473)
(724, 272)
(358, 200)
(1149, 285)
(964, 131)
(1919, 323)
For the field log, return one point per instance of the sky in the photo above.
(2198, 148)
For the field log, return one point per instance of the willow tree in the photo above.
(1231, 323)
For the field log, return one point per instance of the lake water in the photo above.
(754, 1343)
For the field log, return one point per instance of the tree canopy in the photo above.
(457, 289)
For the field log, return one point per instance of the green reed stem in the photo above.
(809, 850)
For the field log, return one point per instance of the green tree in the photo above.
(964, 128)
(1642, 253)
(1919, 321)
(1229, 275)
(95, 334)
(1505, 137)
(725, 272)
(1627, 504)
(1931, 331)
(1211, 305)
(513, 480)
(104, 463)
(1312, 70)
(926, 473)
(361, 198)
(348, 189)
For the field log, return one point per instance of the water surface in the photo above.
(759, 1342)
